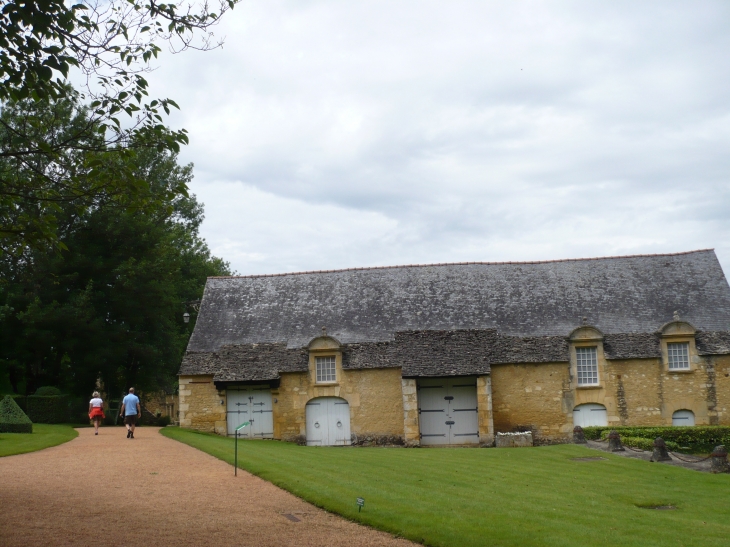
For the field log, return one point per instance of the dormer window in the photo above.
(587, 366)
(678, 355)
(326, 371)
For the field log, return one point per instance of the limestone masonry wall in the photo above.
(374, 396)
(200, 405)
(539, 397)
(722, 387)
(639, 392)
(532, 397)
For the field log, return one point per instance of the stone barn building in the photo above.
(449, 354)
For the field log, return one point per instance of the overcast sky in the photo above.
(330, 134)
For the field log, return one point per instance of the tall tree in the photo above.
(111, 43)
(109, 304)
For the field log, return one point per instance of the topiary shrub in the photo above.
(48, 409)
(12, 418)
(47, 391)
(163, 421)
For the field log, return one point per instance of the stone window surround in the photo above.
(679, 332)
(325, 346)
(587, 337)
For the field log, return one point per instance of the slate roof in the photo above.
(489, 313)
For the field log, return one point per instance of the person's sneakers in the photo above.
(96, 433)
(131, 436)
(129, 433)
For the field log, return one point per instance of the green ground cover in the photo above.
(43, 436)
(507, 497)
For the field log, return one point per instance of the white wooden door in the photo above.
(590, 415)
(683, 417)
(237, 409)
(250, 404)
(447, 409)
(328, 422)
(262, 413)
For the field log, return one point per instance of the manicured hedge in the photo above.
(644, 444)
(54, 409)
(12, 418)
(47, 391)
(679, 437)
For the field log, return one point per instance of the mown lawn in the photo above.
(507, 497)
(43, 436)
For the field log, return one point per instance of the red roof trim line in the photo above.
(458, 264)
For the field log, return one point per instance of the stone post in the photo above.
(578, 436)
(614, 442)
(719, 460)
(660, 453)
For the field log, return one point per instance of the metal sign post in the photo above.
(235, 458)
(360, 503)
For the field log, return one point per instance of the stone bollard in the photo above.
(719, 460)
(578, 436)
(614, 442)
(660, 453)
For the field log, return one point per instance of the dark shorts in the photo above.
(130, 420)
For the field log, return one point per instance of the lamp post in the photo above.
(186, 317)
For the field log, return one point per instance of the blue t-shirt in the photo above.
(130, 403)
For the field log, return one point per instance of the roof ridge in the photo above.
(458, 264)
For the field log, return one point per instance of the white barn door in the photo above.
(328, 422)
(683, 418)
(447, 411)
(590, 415)
(250, 404)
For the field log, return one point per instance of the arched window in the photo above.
(683, 417)
(590, 414)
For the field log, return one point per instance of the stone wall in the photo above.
(539, 397)
(533, 397)
(640, 392)
(374, 396)
(484, 404)
(200, 405)
(722, 387)
(163, 403)
(411, 425)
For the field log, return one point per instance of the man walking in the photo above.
(131, 412)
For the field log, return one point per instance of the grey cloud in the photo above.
(439, 131)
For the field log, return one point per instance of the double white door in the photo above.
(328, 422)
(251, 404)
(447, 411)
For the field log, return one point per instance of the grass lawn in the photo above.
(507, 497)
(43, 436)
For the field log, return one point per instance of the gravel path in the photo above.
(151, 490)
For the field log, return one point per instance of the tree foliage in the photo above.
(111, 44)
(62, 167)
(109, 304)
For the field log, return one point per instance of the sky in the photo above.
(329, 134)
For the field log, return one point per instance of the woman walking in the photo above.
(96, 411)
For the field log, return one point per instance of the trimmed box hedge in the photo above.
(12, 418)
(699, 437)
(54, 409)
(47, 409)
